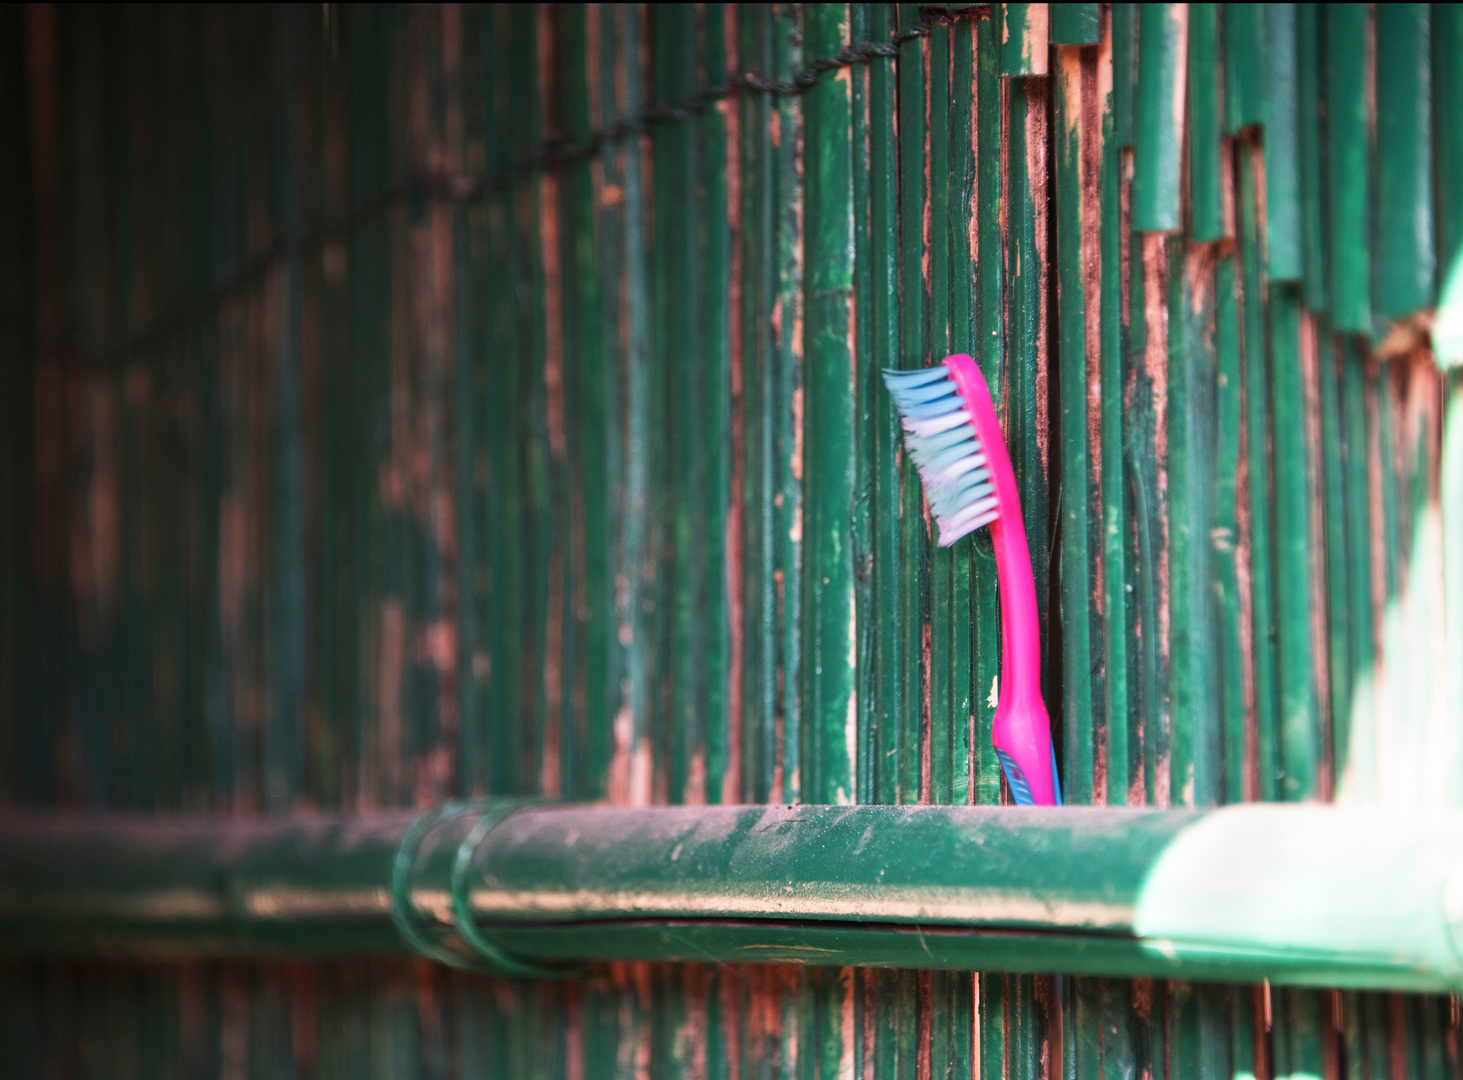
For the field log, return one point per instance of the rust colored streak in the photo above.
(972, 216)
(1260, 1001)
(1051, 1004)
(573, 1031)
(1096, 77)
(389, 680)
(96, 531)
(869, 985)
(1397, 1037)
(926, 226)
(1036, 171)
(51, 526)
(594, 27)
(549, 233)
(846, 1036)
(925, 764)
(1155, 363)
(1125, 236)
(549, 230)
(729, 987)
(452, 118)
(690, 1036)
(922, 1051)
(232, 573)
(1243, 545)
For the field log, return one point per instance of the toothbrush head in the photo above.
(943, 417)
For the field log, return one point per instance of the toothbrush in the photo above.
(951, 432)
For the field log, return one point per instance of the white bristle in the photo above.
(942, 442)
(938, 424)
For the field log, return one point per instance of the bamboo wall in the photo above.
(405, 402)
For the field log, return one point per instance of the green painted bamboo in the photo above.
(829, 458)
(1284, 238)
(677, 319)
(789, 437)
(1124, 22)
(1310, 99)
(1244, 66)
(1403, 273)
(864, 519)
(1447, 78)
(912, 127)
(759, 630)
(1339, 563)
(943, 616)
(881, 236)
(1348, 176)
(1257, 438)
(717, 445)
(24, 764)
(588, 598)
(367, 260)
(1197, 738)
(1147, 270)
(829, 664)
(1232, 666)
(1159, 123)
(910, 288)
(1300, 748)
(1206, 167)
(990, 353)
(1117, 777)
(1081, 692)
(951, 1002)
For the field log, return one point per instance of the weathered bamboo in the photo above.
(1298, 895)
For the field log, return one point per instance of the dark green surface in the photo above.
(1310, 119)
(1347, 174)
(1244, 65)
(1076, 24)
(1403, 273)
(1284, 231)
(1205, 76)
(1159, 123)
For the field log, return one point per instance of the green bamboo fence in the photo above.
(413, 402)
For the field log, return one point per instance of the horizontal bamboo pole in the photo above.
(1306, 895)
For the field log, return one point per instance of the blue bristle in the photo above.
(940, 438)
(931, 444)
(949, 455)
(894, 378)
(925, 410)
(1015, 780)
(928, 392)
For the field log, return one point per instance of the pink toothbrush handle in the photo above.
(1022, 729)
